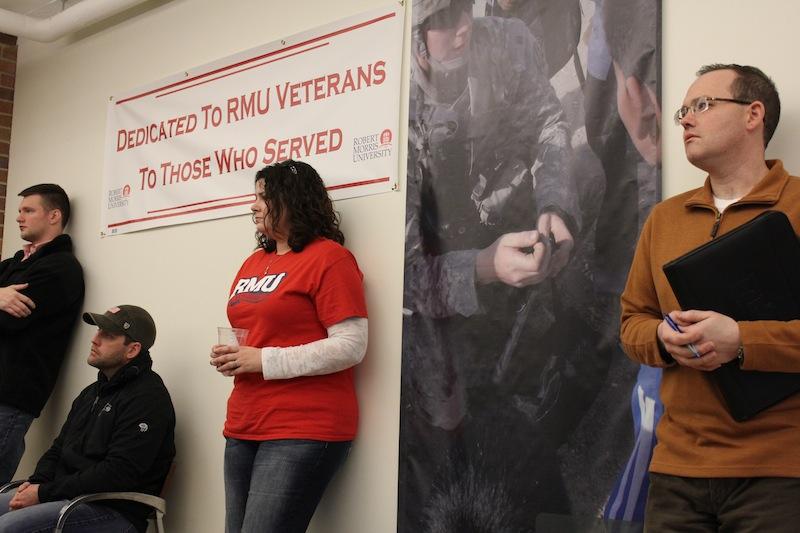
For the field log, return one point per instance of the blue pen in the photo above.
(675, 327)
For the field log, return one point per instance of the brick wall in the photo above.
(8, 72)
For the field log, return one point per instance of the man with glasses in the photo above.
(708, 472)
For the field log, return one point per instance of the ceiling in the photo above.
(48, 20)
(37, 8)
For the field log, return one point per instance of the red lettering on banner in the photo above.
(333, 84)
(336, 139)
(233, 110)
(156, 132)
(212, 116)
(248, 105)
(148, 177)
(319, 88)
(232, 160)
(295, 95)
(322, 142)
(307, 86)
(379, 72)
(348, 84)
(294, 146)
(365, 76)
(277, 150)
(310, 90)
(282, 94)
(202, 168)
(257, 103)
(180, 126)
(186, 170)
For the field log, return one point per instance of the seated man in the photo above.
(119, 436)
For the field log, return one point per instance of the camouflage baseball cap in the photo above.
(128, 320)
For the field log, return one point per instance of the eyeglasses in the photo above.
(701, 105)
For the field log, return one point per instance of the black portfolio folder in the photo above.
(750, 273)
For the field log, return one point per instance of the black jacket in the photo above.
(32, 348)
(119, 436)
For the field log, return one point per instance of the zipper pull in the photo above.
(715, 227)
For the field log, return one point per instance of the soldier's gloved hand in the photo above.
(552, 223)
(517, 259)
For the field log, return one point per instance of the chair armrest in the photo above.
(156, 503)
(11, 485)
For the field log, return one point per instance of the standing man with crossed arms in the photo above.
(41, 294)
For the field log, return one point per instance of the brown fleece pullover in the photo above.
(696, 435)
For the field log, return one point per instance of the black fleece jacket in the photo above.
(119, 436)
(32, 348)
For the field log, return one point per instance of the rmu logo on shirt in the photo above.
(264, 284)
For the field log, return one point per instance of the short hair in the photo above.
(53, 197)
(633, 35)
(751, 84)
(296, 188)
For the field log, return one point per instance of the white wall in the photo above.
(699, 32)
(181, 274)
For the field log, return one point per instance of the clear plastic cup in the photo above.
(231, 336)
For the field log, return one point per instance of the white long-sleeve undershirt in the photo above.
(345, 346)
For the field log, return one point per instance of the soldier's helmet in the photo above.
(421, 10)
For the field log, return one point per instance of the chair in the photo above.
(158, 505)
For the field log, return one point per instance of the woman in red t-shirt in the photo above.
(293, 413)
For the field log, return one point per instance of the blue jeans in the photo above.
(41, 518)
(14, 425)
(274, 486)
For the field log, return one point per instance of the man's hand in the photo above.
(14, 302)
(552, 223)
(715, 336)
(234, 360)
(507, 260)
(27, 495)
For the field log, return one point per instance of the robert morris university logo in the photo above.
(372, 146)
(118, 197)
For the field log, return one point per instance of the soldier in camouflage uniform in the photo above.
(556, 23)
(490, 217)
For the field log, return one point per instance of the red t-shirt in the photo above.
(289, 300)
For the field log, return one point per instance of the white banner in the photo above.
(186, 148)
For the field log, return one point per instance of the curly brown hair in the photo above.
(296, 188)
